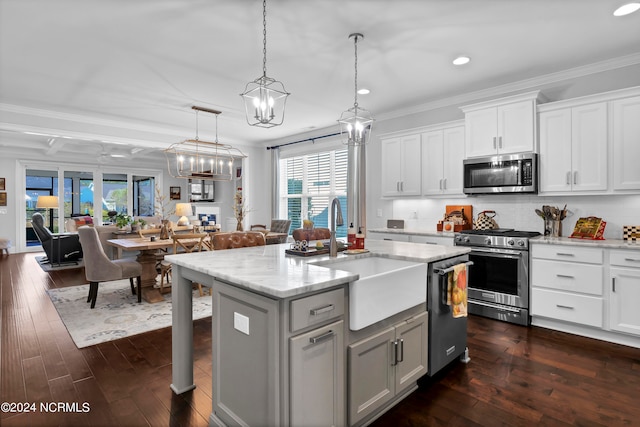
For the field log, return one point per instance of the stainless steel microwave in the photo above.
(510, 173)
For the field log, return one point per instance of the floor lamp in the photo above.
(49, 202)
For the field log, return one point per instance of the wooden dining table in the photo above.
(147, 258)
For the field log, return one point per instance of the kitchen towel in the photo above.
(457, 290)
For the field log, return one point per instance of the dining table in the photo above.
(147, 248)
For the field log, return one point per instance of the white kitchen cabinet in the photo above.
(566, 284)
(503, 126)
(442, 156)
(624, 293)
(625, 122)
(573, 148)
(386, 363)
(433, 240)
(397, 237)
(400, 169)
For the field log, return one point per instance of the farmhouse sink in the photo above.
(386, 287)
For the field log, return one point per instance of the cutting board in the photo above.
(468, 213)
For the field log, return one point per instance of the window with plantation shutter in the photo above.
(308, 184)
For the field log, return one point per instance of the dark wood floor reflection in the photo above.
(517, 376)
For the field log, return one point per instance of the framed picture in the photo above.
(3, 199)
(174, 193)
(2, 188)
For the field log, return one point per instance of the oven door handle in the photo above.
(498, 253)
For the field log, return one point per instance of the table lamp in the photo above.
(47, 202)
(183, 210)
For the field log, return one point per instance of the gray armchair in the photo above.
(61, 247)
(99, 268)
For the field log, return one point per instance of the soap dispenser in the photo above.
(360, 239)
(351, 237)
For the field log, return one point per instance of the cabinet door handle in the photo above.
(320, 310)
(499, 142)
(565, 276)
(402, 186)
(564, 306)
(613, 284)
(575, 177)
(632, 260)
(569, 178)
(401, 357)
(323, 337)
(564, 254)
(494, 142)
(394, 352)
(440, 184)
(444, 184)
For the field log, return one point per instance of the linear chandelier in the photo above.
(264, 98)
(356, 122)
(198, 159)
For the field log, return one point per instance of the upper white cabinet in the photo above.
(502, 126)
(591, 144)
(442, 156)
(573, 148)
(625, 122)
(401, 166)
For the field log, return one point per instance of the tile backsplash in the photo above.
(517, 211)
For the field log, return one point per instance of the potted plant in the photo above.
(122, 220)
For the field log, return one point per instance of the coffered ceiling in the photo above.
(92, 73)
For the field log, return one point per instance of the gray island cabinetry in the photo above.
(284, 353)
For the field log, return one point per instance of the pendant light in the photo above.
(198, 159)
(355, 123)
(264, 98)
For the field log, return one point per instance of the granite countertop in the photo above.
(412, 231)
(567, 241)
(269, 271)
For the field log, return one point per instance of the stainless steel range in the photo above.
(499, 285)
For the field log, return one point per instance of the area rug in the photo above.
(117, 313)
(44, 264)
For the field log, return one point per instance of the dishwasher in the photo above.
(447, 335)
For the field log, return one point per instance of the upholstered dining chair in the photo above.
(237, 239)
(184, 243)
(99, 268)
(311, 234)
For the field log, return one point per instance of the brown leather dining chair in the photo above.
(99, 268)
(237, 239)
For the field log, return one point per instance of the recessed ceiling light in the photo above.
(364, 91)
(626, 9)
(461, 60)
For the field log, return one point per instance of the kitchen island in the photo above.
(280, 332)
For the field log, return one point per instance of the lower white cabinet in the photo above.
(590, 291)
(396, 237)
(566, 284)
(624, 282)
(433, 240)
(383, 365)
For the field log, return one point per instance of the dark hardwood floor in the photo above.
(517, 376)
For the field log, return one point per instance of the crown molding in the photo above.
(527, 84)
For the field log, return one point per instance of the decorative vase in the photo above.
(164, 229)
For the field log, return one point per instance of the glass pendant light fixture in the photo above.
(264, 98)
(356, 122)
(198, 159)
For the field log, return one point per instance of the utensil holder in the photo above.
(553, 227)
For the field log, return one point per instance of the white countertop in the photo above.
(269, 271)
(567, 241)
(412, 232)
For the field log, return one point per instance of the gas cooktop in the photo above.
(506, 232)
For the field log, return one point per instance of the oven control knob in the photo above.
(520, 242)
(466, 240)
(487, 240)
(510, 242)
